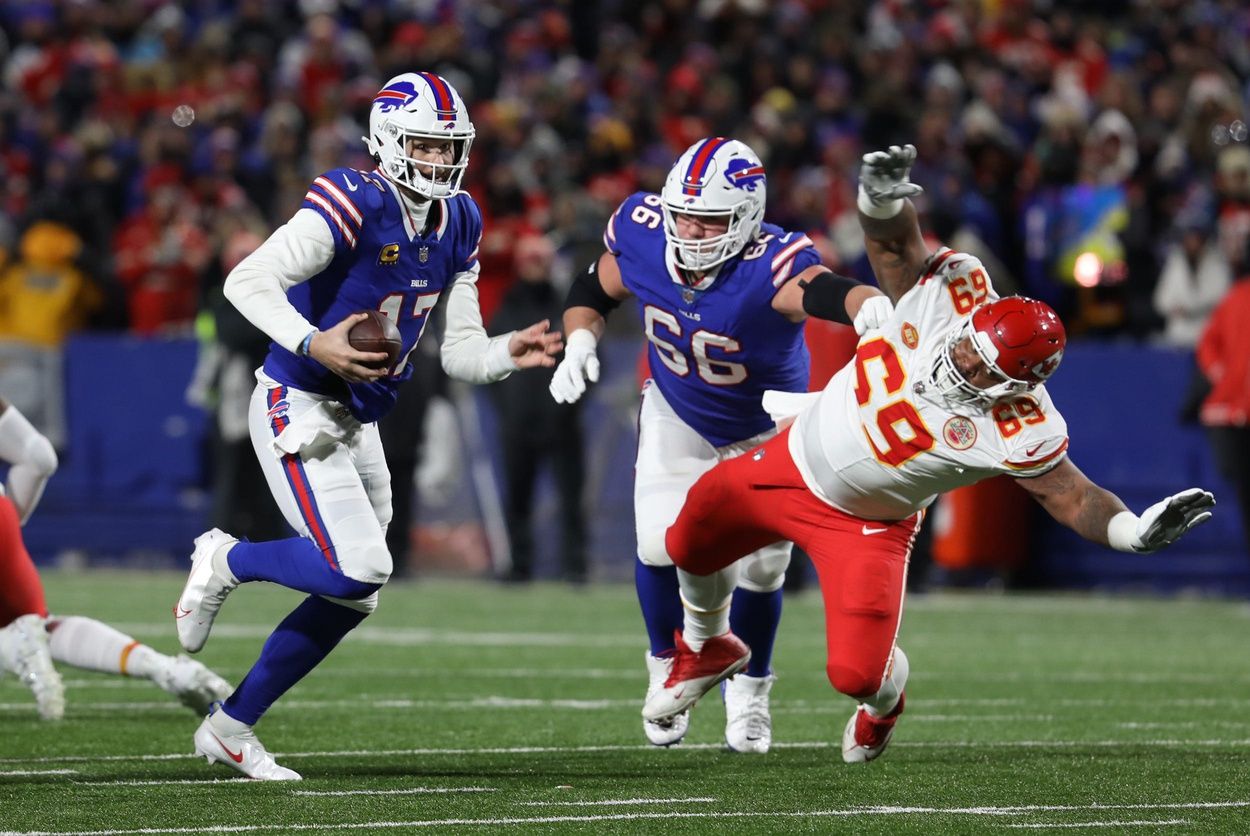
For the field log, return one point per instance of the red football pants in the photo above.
(21, 591)
(758, 498)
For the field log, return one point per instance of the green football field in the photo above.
(466, 707)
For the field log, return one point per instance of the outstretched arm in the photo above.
(892, 238)
(1100, 516)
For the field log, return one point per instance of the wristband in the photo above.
(880, 211)
(304, 345)
(1122, 532)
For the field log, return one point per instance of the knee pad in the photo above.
(853, 682)
(765, 570)
(365, 605)
(41, 456)
(367, 562)
(651, 548)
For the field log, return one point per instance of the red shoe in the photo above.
(866, 737)
(694, 674)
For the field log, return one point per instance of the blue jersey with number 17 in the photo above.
(381, 262)
(717, 345)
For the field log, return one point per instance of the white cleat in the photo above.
(205, 592)
(694, 674)
(194, 685)
(865, 736)
(242, 752)
(748, 724)
(663, 732)
(24, 650)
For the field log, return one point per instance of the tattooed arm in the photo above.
(1070, 497)
(896, 250)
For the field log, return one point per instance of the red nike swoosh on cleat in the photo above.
(679, 694)
(236, 758)
(179, 612)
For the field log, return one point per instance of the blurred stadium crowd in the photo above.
(1082, 149)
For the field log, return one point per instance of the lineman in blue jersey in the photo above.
(722, 297)
(398, 240)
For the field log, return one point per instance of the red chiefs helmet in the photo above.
(1020, 339)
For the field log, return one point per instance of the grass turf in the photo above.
(464, 707)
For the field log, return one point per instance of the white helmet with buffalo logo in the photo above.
(714, 178)
(419, 106)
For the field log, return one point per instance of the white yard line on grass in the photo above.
(669, 752)
(1083, 824)
(407, 791)
(170, 782)
(616, 802)
(670, 814)
(24, 772)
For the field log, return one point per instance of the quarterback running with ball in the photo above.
(947, 392)
(398, 240)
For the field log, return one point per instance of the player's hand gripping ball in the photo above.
(377, 334)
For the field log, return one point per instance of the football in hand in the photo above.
(376, 334)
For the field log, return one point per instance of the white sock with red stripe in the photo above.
(95, 646)
(705, 600)
(883, 702)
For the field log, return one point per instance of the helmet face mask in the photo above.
(723, 181)
(1019, 343)
(414, 109)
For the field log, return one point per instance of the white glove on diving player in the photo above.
(1162, 523)
(579, 365)
(883, 181)
(872, 314)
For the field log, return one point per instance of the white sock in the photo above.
(95, 646)
(883, 702)
(705, 599)
(225, 724)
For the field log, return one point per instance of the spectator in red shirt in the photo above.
(1223, 355)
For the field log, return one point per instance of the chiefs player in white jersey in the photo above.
(947, 392)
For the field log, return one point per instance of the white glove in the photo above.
(1162, 523)
(883, 181)
(579, 365)
(873, 314)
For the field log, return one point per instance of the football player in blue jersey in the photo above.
(722, 297)
(398, 239)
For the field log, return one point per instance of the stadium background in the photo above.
(1070, 145)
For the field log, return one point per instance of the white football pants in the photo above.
(671, 458)
(327, 472)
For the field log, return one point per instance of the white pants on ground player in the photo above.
(328, 474)
(671, 458)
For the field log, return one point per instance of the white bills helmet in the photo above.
(715, 177)
(420, 106)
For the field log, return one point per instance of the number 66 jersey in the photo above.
(715, 345)
(880, 443)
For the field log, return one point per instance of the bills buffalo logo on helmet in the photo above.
(744, 174)
(395, 96)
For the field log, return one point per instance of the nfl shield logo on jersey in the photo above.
(687, 295)
(960, 433)
(423, 255)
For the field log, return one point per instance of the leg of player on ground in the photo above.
(92, 645)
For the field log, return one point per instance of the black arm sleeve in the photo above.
(824, 296)
(587, 292)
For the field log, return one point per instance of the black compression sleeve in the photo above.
(824, 296)
(587, 292)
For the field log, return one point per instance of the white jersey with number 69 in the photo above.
(878, 443)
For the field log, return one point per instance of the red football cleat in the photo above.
(694, 674)
(866, 737)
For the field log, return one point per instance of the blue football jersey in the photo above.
(716, 346)
(382, 262)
